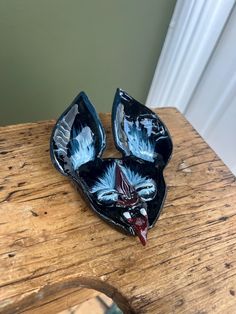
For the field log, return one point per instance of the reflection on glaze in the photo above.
(127, 192)
(75, 143)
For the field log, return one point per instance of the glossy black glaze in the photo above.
(79, 118)
(139, 131)
(127, 192)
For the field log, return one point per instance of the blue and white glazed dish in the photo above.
(127, 192)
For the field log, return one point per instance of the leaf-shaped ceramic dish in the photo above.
(128, 192)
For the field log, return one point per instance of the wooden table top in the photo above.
(51, 243)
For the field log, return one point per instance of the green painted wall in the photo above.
(52, 49)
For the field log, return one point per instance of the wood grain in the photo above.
(51, 243)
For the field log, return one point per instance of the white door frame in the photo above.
(194, 31)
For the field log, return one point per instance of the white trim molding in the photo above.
(193, 34)
(196, 72)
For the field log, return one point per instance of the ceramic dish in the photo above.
(127, 192)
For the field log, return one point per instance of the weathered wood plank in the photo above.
(52, 243)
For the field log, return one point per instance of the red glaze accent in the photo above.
(128, 197)
(127, 194)
(140, 225)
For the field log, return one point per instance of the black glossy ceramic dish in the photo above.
(128, 192)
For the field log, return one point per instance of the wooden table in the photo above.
(51, 243)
